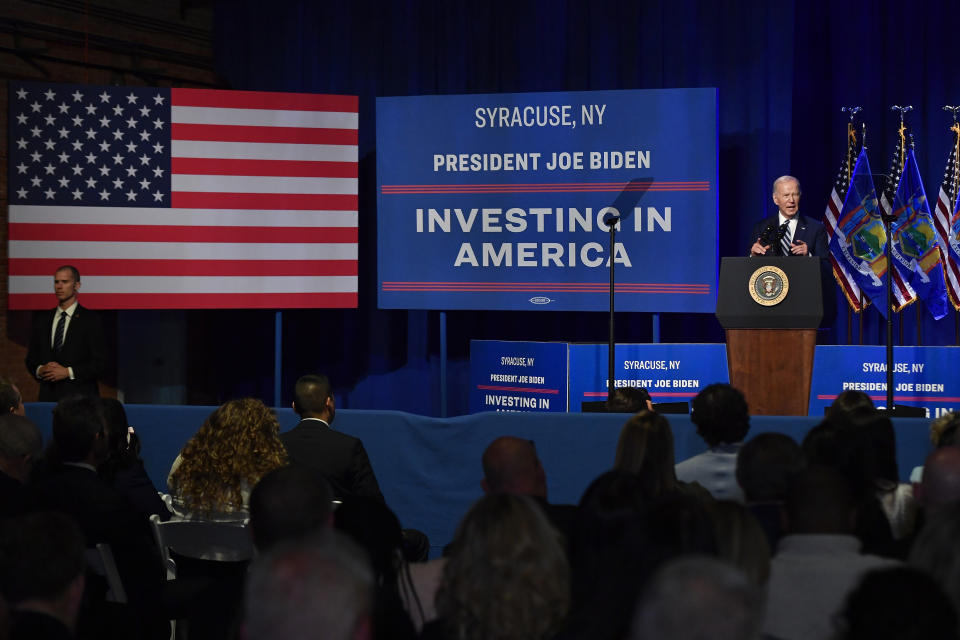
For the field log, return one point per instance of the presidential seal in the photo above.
(769, 286)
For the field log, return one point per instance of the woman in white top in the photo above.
(237, 445)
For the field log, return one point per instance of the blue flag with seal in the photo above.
(915, 247)
(860, 238)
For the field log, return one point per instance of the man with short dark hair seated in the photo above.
(71, 485)
(314, 445)
(338, 458)
(42, 574)
(723, 420)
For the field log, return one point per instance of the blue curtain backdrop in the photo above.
(783, 70)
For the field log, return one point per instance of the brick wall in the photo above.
(95, 42)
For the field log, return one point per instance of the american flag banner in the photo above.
(841, 272)
(946, 220)
(182, 198)
(903, 293)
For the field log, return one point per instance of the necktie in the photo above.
(786, 239)
(58, 335)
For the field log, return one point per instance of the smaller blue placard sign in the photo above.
(922, 376)
(670, 372)
(518, 376)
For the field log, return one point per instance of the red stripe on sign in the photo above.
(236, 133)
(659, 394)
(143, 233)
(293, 168)
(571, 284)
(263, 201)
(490, 387)
(194, 301)
(100, 267)
(262, 100)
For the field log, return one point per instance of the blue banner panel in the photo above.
(922, 376)
(518, 376)
(502, 201)
(670, 372)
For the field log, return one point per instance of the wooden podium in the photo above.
(770, 309)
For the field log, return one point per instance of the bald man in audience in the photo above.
(941, 480)
(511, 465)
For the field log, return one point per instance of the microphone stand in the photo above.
(888, 250)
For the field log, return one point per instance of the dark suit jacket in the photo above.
(104, 515)
(339, 458)
(808, 230)
(32, 625)
(83, 349)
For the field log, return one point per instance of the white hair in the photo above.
(782, 179)
(321, 584)
(699, 598)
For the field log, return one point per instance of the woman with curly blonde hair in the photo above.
(507, 576)
(218, 467)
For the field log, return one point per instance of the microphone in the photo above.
(768, 233)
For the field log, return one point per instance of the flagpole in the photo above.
(888, 218)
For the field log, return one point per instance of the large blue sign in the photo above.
(502, 201)
(670, 372)
(518, 376)
(922, 376)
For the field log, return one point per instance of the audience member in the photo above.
(73, 487)
(620, 541)
(315, 446)
(765, 465)
(20, 444)
(851, 402)
(722, 418)
(317, 586)
(288, 504)
(935, 550)
(848, 446)
(507, 576)
(699, 598)
(943, 433)
(645, 449)
(511, 465)
(897, 604)
(122, 468)
(371, 524)
(10, 399)
(628, 400)
(941, 480)
(818, 562)
(42, 574)
(237, 444)
(741, 540)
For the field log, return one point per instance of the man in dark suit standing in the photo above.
(790, 233)
(66, 352)
(313, 445)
